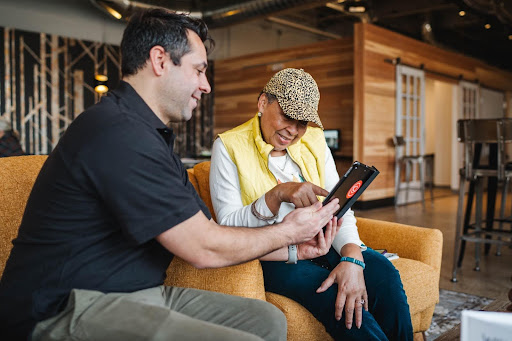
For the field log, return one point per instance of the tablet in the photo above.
(351, 186)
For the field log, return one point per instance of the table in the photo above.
(453, 334)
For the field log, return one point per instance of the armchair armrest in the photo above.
(412, 242)
(244, 280)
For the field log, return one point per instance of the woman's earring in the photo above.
(259, 114)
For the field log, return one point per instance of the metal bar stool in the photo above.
(425, 164)
(474, 134)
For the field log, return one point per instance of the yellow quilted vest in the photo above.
(250, 153)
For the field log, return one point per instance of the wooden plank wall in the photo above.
(238, 82)
(374, 92)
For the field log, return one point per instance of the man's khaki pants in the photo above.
(162, 313)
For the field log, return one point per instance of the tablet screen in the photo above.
(351, 186)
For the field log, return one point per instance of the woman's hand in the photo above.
(301, 194)
(351, 291)
(322, 242)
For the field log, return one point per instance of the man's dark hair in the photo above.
(158, 27)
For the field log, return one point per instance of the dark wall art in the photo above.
(47, 80)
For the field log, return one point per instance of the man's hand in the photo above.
(303, 224)
(301, 194)
(322, 242)
(351, 291)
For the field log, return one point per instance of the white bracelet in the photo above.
(259, 215)
(292, 254)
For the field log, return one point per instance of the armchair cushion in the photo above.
(244, 280)
(412, 242)
(18, 174)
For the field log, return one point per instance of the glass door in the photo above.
(410, 124)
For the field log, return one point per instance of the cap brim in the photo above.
(299, 112)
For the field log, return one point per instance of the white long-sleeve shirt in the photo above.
(227, 201)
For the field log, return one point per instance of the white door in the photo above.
(469, 100)
(410, 123)
(468, 104)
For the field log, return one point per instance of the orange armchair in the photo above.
(419, 249)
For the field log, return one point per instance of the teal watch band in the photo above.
(353, 260)
(292, 254)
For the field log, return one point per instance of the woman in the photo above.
(263, 169)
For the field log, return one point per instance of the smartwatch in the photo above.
(292, 254)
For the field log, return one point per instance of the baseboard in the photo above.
(369, 204)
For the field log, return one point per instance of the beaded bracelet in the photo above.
(353, 260)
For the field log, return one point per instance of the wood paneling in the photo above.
(238, 82)
(374, 92)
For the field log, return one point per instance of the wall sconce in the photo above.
(100, 83)
(355, 6)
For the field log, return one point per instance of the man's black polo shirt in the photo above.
(112, 184)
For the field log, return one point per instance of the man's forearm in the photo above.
(235, 245)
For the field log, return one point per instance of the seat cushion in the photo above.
(421, 283)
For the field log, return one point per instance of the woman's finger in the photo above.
(349, 312)
(340, 304)
(326, 284)
(359, 311)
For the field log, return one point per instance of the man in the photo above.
(9, 143)
(113, 204)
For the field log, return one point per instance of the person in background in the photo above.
(113, 204)
(266, 168)
(9, 142)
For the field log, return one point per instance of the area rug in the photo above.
(447, 311)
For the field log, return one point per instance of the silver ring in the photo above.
(362, 301)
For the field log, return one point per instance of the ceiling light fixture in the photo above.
(487, 26)
(101, 78)
(100, 83)
(114, 13)
(462, 13)
(510, 37)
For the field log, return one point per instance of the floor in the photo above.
(494, 279)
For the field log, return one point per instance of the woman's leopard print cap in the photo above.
(297, 94)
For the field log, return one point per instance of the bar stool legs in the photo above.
(503, 219)
(429, 172)
(425, 169)
(478, 219)
(462, 224)
(502, 212)
(458, 227)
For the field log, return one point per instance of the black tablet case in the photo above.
(357, 172)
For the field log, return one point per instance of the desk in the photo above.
(499, 305)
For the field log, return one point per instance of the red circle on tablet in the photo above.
(353, 190)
